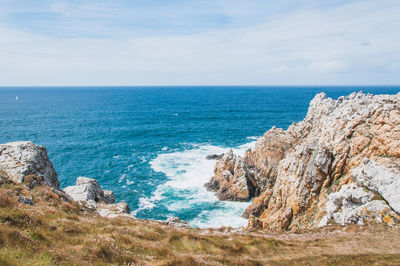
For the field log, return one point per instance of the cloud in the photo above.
(311, 44)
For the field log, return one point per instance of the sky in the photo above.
(199, 42)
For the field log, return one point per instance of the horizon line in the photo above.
(131, 86)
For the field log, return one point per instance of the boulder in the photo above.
(22, 158)
(353, 204)
(175, 221)
(87, 189)
(214, 156)
(380, 179)
(113, 210)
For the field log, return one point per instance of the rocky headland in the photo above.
(340, 165)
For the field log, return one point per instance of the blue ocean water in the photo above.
(148, 144)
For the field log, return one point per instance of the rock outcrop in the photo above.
(27, 163)
(176, 222)
(319, 170)
(89, 189)
(232, 180)
(89, 192)
(22, 158)
(214, 156)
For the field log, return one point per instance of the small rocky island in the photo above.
(340, 165)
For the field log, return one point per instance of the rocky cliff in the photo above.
(27, 163)
(339, 165)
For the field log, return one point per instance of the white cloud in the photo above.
(331, 66)
(305, 46)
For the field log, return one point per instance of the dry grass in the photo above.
(57, 232)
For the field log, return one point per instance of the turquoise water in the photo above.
(147, 144)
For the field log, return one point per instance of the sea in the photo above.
(148, 144)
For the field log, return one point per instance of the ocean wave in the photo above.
(187, 172)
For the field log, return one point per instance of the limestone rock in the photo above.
(214, 156)
(353, 204)
(175, 221)
(23, 158)
(380, 179)
(113, 210)
(25, 200)
(232, 180)
(89, 189)
(292, 173)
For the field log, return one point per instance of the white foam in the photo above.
(123, 176)
(187, 172)
(142, 159)
(146, 203)
(231, 212)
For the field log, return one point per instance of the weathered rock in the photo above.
(113, 210)
(214, 156)
(175, 221)
(32, 181)
(108, 197)
(22, 158)
(380, 179)
(89, 189)
(232, 180)
(353, 204)
(89, 192)
(25, 200)
(293, 172)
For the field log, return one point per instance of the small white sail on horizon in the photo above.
(16, 98)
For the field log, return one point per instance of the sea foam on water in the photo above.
(187, 172)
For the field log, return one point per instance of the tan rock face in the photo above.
(291, 173)
(233, 180)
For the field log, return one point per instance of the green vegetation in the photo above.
(54, 231)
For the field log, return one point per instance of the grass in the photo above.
(55, 232)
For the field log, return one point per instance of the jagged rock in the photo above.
(32, 181)
(175, 221)
(89, 192)
(214, 156)
(113, 210)
(91, 204)
(108, 197)
(232, 180)
(22, 158)
(89, 189)
(25, 200)
(380, 179)
(353, 204)
(299, 168)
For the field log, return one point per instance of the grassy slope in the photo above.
(57, 232)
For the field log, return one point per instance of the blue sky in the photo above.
(208, 42)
